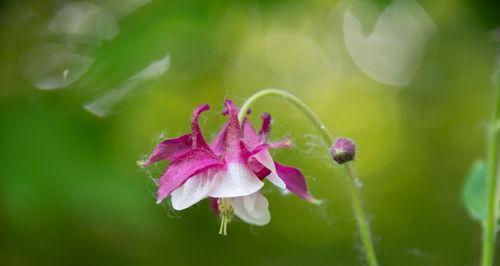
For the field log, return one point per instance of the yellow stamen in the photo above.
(226, 214)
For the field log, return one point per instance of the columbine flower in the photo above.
(230, 170)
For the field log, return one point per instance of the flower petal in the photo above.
(184, 167)
(294, 180)
(232, 152)
(197, 135)
(266, 125)
(264, 157)
(235, 181)
(284, 143)
(225, 111)
(259, 169)
(245, 153)
(193, 190)
(249, 136)
(253, 209)
(255, 165)
(218, 144)
(252, 140)
(170, 149)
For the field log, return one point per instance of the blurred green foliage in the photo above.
(475, 191)
(71, 193)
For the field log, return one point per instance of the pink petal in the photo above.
(253, 139)
(232, 152)
(259, 169)
(184, 167)
(225, 111)
(170, 149)
(284, 143)
(245, 153)
(266, 125)
(218, 144)
(264, 157)
(249, 136)
(197, 135)
(294, 180)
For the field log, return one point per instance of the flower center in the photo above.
(226, 214)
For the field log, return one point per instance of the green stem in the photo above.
(490, 225)
(328, 138)
(360, 216)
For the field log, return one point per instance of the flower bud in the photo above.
(343, 150)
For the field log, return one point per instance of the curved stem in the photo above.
(327, 136)
(490, 225)
(357, 207)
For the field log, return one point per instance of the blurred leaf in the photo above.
(475, 192)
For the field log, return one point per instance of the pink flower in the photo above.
(230, 170)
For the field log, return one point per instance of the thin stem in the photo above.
(357, 207)
(328, 138)
(490, 225)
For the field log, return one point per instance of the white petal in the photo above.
(237, 180)
(253, 209)
(194, 190)
(264, 157)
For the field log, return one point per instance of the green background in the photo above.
(72, 194)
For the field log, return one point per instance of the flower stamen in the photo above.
(226, 213)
